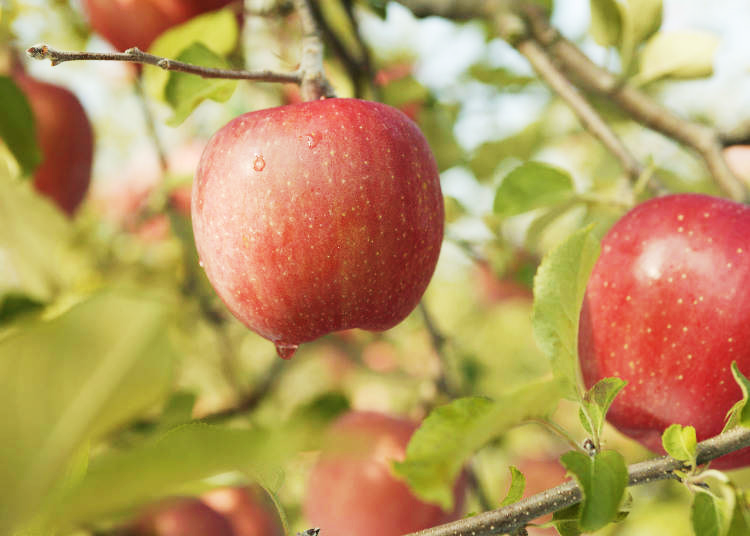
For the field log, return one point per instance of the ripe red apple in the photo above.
(247, 509)
(65, 138)
(667, 308)
(352, 489)
(318, 217)
(181, 517)
(136, 23)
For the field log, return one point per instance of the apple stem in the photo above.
(315, 85)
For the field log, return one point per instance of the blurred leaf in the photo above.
(517, 485)
(598, 399)
(500, 77)
(559, 287)
(679, 442)
(452, 433)
(739, 414)
(13, 305)
(17, 127)
(710, 515)
(641, 19)
(453, 209)
(404, 90)
(33, 237)
(603, 479)
(436, 121)
(71, 379)
(606, 22)
(217, 30)
(546, 220)
(567, 520)
(184, 92)
(685, 54)
(740, 525)
(117, 481)
(177, 410)
(530, 186)
(523, 145)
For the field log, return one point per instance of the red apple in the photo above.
(541, 474)
(248, 510)
(136, 23)
(667, 308)
(181, 517)
(318, 217)
(66, 140)
(352, 489)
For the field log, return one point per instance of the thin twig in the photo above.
(512, 517)
(135, 55)
(438, 341)
(148, 117)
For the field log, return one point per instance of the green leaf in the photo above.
(559, 287)
(66, 381)
(17, 127)
(641, 19)
(35, 261)
(567, 520)
(740, 525)
(711, 515)
(679, 442)
(117, 481)
(452, 433)
(606, 22)
(683, 54)
(530, 186)
(13, 305)
(740, 412)
(603, 479)
(184, 92)
(597, 401)
(217, 31)
(517, 485)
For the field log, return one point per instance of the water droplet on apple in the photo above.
(312, 140)
(286, 351)
(259, 163)
(200, 263)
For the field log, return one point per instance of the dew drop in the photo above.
(286, 351)
(259, 163)
(200, 263)
(312, 140)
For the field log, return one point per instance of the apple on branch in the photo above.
(667, 309)
(318, 217)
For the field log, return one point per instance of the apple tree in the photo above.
(501, 246)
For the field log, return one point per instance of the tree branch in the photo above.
(515, 516)
(702, 139)
(135, 55)
(589, 117)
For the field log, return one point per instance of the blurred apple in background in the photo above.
(738, 160)
(65, 138)
(248, 510)
(180, 517)
(541, 474)
(136, 23)
(352, 489)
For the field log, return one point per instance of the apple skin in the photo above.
(136, 23)
(180, 517)
(247, 509)
(318, 217)
(352, 489)
(65, 138)
(667, 309)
